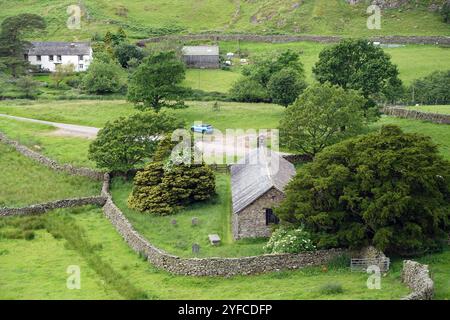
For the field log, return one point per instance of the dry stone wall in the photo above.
(417, 277)
(59, 204)
(416, 115)
(156, 256)
(52, 164)
(212, 266)
(443, 40)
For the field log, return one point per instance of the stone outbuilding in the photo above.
(201, 57)
(257, 184)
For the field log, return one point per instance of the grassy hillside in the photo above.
(19, 175)
(141, 18)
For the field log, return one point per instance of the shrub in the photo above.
(265, 67)
(125, 52)
(432, 89)
(103, 77)
(289, 241)
(331, 288)
(28, 235)
(28, 87)
(285, 86)
(256, 85)
(248, 90)
(388, 189)
(445, 12)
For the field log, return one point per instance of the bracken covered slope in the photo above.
(144, 18)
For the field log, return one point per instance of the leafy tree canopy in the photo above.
(103, 77)
(126, 142)
(156, 82)
(257, 85)
(249, 90)
(125, 52)
(358, 65)
(432, 89)
(285, 86)
(12, 45)
(388, 189)
(323, 115)
(164, 186)
(264, 67)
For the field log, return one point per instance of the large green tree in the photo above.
(126, 142)
(265, 67)
(285, 86)
(388, 189)
(164, 185)
(279, 78)
(323, 115)
(156, 82)
(12, 45)
(358, 65)
(124, 52)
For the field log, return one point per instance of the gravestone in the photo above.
(214, 239)
(173, 222)
(195, 248)
(194, 221)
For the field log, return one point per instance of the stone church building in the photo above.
(257, 184)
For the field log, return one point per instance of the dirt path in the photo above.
(69, 130)
(212, 146)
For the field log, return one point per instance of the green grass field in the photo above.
(440, 133)
(42, 138)
(97, 113)
(211, 80)
(141, 18)
(41, 266)
(105, 246)
(213, 216)
(413, 61)
(445, 109)
(24, 182)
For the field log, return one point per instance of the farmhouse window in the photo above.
(38, 58)
(80, 58)
(59, 58)
(271, 218)
(50, 58)
(80, 66)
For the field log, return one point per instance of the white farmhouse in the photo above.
(47, 55)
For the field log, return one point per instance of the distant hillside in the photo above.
(144, 18)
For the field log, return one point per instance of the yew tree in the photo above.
(389, 189)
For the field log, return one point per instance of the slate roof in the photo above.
(200, 50)
(59, 48)
(254, 175)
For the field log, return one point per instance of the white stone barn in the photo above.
(257, 184)
(47, 55)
